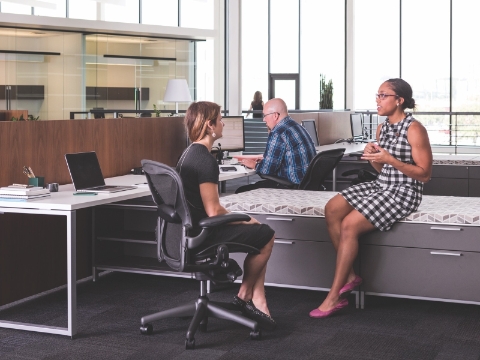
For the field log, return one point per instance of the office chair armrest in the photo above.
(218, 220)
(277, 179)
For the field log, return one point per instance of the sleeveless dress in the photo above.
(393, 195)
(257, 107)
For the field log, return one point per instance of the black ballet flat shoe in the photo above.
(264, 321)
(239, 303)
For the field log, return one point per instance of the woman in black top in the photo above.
(257, 104)
(199, 172)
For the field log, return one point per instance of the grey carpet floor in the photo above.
(109, 313)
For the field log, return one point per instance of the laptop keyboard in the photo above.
(104, 187)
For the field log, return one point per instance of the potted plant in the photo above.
(326, 93)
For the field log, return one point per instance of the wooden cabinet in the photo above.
(115, 93)
(23, 92)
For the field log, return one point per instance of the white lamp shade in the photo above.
(177, 91)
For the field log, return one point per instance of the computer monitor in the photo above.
(356, 123)
(311, 128)
(233, 138)
(98, 115)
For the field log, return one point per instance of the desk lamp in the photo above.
(177, 91)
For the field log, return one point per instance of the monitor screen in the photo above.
(311, 128)
(233, 138)
(356, 122)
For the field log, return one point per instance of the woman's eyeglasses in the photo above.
(383, 96)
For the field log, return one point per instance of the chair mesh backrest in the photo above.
(320, 167)
(166, 187)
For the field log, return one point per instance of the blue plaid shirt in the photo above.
(289, 151)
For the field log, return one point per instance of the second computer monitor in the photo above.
(233, 138)
(311, 128)
(356, 123)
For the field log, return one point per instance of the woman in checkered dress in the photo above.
(403, 157)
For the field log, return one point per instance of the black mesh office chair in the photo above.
(319, 168)
(185, 253)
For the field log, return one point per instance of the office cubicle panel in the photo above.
(331, 125)
(233, 137)
(119, 143)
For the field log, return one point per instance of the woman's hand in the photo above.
(252, 221)
(376, 154)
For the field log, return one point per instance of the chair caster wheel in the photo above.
(146, 329)
(255, 335)
(189, 344)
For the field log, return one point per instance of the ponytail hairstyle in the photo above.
(197, 117)
(403, 89)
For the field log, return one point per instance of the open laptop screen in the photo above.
(84, 170)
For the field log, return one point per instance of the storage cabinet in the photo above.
(302, 256)
(23, 92)
(124, 238)
(448, 180)
(115, 93)
(422, 261)
(420, 273)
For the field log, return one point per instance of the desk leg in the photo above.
(334, 179)
(222, 186)
(94, 236)
(72, 272)
(71, 330)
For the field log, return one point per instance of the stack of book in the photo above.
(22, 193)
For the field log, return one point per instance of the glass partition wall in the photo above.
(49, 74)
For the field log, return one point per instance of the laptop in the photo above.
(87, 176)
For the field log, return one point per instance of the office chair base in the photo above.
(201, 310)
(146, 329)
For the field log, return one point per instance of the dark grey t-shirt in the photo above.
(197, 166)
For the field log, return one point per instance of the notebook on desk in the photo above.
(87, 176)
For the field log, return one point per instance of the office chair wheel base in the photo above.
(255, 335)
(146, 329)
(203, 326)
(189, 344)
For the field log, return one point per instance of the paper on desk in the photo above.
(240, 169)
(141, 184)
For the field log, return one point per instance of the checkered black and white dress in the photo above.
(393, 196)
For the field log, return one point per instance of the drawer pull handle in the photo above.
(280, 219)
(445, 228)
(283, 242)
(445, 253)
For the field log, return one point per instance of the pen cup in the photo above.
(37, 181)
(53, 187)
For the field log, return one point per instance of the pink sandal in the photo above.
(348, 288)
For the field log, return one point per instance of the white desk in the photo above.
(63, 203)
(349, 147)
(239, 173)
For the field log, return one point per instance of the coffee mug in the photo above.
(53, 187)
